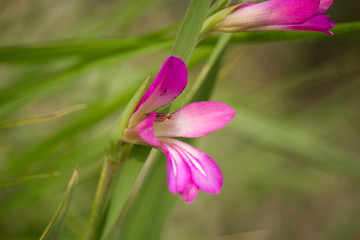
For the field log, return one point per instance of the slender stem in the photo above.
(114, 156)
(115, 153)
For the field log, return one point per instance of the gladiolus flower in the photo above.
(188, 168)
(286, 15)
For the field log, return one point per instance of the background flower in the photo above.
(288, 15)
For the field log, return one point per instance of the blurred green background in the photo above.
(290, 158)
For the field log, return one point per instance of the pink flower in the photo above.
(293, 15)
(188, 168)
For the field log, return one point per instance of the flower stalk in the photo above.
(115, 153)
(104, 189)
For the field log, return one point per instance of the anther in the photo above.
(161, 117)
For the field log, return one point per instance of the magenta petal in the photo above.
(272, 12)
(205, 173)
(297, 15)
(292, 11)
(167, 85)
(178, 173)
(146, 130)
(190, 193)
(318, 23)
(143, 133)
(195, 120)
(324, 6)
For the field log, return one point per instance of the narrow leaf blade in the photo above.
(189, 32)
(25, 179)
(40, 118)
(53, 230)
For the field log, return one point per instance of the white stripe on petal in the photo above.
(204, 172)
(193, 160)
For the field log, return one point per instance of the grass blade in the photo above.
(19, 180)
(218, 5)
(128, 175)
(89, 49)
(99, 48)
(205, 82)
(40, 118)
(53, 230)
(276, 135)
(152, 198)
(189, 32)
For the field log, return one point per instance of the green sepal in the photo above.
(211, 22)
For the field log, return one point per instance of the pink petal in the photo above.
(318, 23)
(292, 11)
(167, 85)
(195, 120)
(143, 133)
(205, 173)
(324, 6)
(178, 173)
(272, 12)
(190, 193)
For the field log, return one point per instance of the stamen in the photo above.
(161, 117)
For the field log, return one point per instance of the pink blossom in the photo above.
(288, 15)
(188, 168)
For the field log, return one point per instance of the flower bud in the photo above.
(285, 15)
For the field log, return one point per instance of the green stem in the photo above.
(115, 153)
(105, 186)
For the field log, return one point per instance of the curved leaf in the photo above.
(53, 230)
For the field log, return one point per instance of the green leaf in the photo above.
(285, 137)
(190, 28)
(16, 95)
(93, 114)
(128, 175)
(151, 198)
(25, 179)
(40, 118)
(53, 230)
(99, 48)
(205, 82)
(218, 5)
(86, 49)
